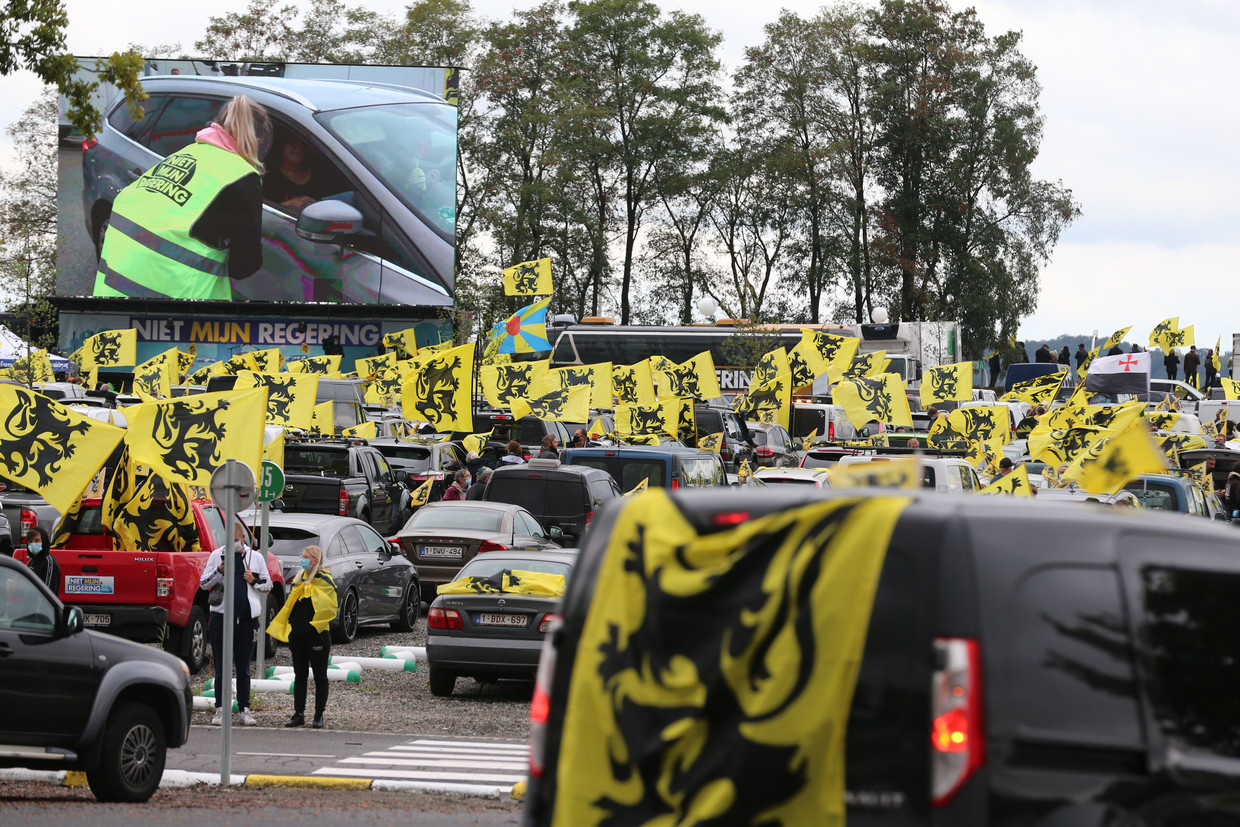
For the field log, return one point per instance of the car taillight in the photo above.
(487, 545)
(444, 619)
(765, 452)
(830, 432)
(730, 518)
(957, 740)
(165, 583)
(549, 619)
(675, 484)
(725, 452)
(540, 706)
(29, 520)
(88, 144)
(589, 517)
(344, 502)
(394, 542)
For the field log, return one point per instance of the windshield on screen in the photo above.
(412, 149)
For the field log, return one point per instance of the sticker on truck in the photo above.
(88, 584)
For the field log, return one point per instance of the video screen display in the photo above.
(358, 191)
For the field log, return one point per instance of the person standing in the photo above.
(249, 579)
(514, 455)
(460, 484)
(1172, 363)
(302, 623)
(1211, 371)
(1192, 362)
(40, 560)
(479, 487)
(549, 449)
(192, 224)
(995, 365)
(580, 440)
(1065, 358)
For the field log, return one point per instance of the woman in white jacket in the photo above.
(250, 572)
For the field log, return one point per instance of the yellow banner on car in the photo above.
(879, 473)
(663, 689)
(508, 581)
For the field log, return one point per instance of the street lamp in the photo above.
(707, 307)
(879, 315)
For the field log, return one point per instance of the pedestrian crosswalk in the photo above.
(492, 763)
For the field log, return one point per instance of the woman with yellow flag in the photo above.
(302, 623)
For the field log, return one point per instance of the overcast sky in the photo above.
(1141, 123)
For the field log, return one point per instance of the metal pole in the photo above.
(225, 668)
(264, 511)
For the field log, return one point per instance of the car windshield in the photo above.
(486, 567)
(453, 516)
(773, 480)
(287, 542)
(312, 461)
(412, 149)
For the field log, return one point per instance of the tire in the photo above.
(442, 682)
(346, 629)
(410, 604)
(131, 761)
(190, 643)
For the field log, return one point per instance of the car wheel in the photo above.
(131, 762)
(442, 682)
(346, 628)
(409, 605)
(190, 643)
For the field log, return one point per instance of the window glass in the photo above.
(1192, 654)
(1154, 496)
(372, 542)
(600, 490)
(967, 479)
(353, 543)
(518, 490)
(528, 525)
(337, 548)
(564, 498)
(123, 122)
(316, 461)
(483, 567)
(176, 126)
(1068, 655)
(628, 471)
(215, 522)
(297, 169)
(413, 452)
(287, 542)
(23, 607)
(454, 516)
(384, 470)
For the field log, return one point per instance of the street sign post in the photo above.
(271, 482)
(270, 487)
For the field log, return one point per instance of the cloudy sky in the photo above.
(1141, 123)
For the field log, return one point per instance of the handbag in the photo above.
(216, 596)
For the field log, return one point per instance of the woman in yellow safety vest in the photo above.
(193, 222)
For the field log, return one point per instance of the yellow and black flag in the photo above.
(1115, 339)
(48, 448)
(881, 473)
(836, 351)
(324, 421)
(1083, 369)
(405, 341)
(441, 391)
(1125, 456)
(1015, 483)
(110, 349)
(806, 362)
(322, 365)
(771, 364)
(266, 361)
(944, 383)
(153, 379)
(597, 377)
(711, 442)
(200, 376)
(374, 365)
(185, 440)
(529, 278)
(421, 495)
(669, 704)
(505, 383)
(878, 399)
(385, 390)
(291, 397)
(633, 384)
(1231, 388)
(646, 420)
(773, 395)
(694, 377)
(568, 404)
(1183, 337)
(865, 365)
(1037, 391)
(1162, 329)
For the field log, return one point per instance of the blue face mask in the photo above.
(305, 564)
(34, 548)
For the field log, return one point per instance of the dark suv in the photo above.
(1025, 663)
(565, 496)
(660, 466)
(81, 700)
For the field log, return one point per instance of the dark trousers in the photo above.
(243, 650)
(309, 652)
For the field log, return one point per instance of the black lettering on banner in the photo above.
(170, 177)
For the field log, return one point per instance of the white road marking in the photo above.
(468, 764)
(286, 755)
(421, 776)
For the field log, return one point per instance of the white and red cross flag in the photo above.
(1126, 373)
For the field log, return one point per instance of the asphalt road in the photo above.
(75, 253)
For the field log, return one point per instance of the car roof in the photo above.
(286, 519)
(317, 95)
(526, 468)
(488, 505)
(561, 555)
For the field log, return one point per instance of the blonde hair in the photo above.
(245, 120)
(315, 568)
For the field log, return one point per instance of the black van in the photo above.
(1025, 663)
(566, 496)
(664, 466)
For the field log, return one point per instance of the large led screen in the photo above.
(358, 192)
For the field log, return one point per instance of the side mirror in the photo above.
(797, 445)
(556, 533)
(277, 504)
(74, 620)
(329, 222)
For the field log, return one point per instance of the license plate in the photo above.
(502, 620)
(441, 551)
(97, 620)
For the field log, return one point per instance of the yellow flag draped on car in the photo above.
(638, 718)
(186, 439)
(50, 449)
(290, 396)
(529, 278)
(945, 383)
(596, 376)
(563, 405)
(508, 581)
(110, 349)
(1124, 457)
(441, 391)
(1015, 483)
(879, 473)
(322, 593)
(878, 399)
(515, 380)
(157, 517)
(633, 384)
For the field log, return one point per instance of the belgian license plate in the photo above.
(97, 620)
(441, 551)
(502, 620)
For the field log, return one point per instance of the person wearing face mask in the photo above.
(41, 561)
(302, 623)
(250, 578)
(460, 484)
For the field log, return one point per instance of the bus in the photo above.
(735, 350)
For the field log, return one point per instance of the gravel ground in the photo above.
(398, 702)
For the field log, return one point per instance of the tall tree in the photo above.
(654, 78)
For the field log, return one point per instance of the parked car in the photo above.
(347, 477)
(939, 472)
(714, 419)
(773, 446)
(492, 636)
(817, 477)
(441, 537)
(382, 229)
(374, 582)
(1167, 492)
(23, 509)
(559, 496)
(662, 466)
(827, 422)
(73, 699)
(422, 461)
(528, 430)
(1013, 674)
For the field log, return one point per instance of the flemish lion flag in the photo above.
(405, 341)
(694, 377)
(516, 380)
(374, 365)
(1037, 391)
(771, 364)
(1115, 338)
(421, 495)
(880, 399)
(441, 391)
(110, 348)
(562, 405)
(806, 362)
(363, 430)
(837, 351)
(879, 473)
(314, 364)
(633, 384)
(529, 278)
(639, 716)
(1231, 388)
(944, 383)
(1162, 329)
(185, 440)
(1016, 483)
(863, 365)
(773, 395)
(290, 396)
(1123, 458)
(49, 448)
(153, 378)
(713, 442)
(596, 376)
(324, 421)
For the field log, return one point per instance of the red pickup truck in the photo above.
(147, 596)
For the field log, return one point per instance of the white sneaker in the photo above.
(247, 719)
(218, 720)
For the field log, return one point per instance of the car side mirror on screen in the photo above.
(329, 222)
(556, 533)
(75, 621)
